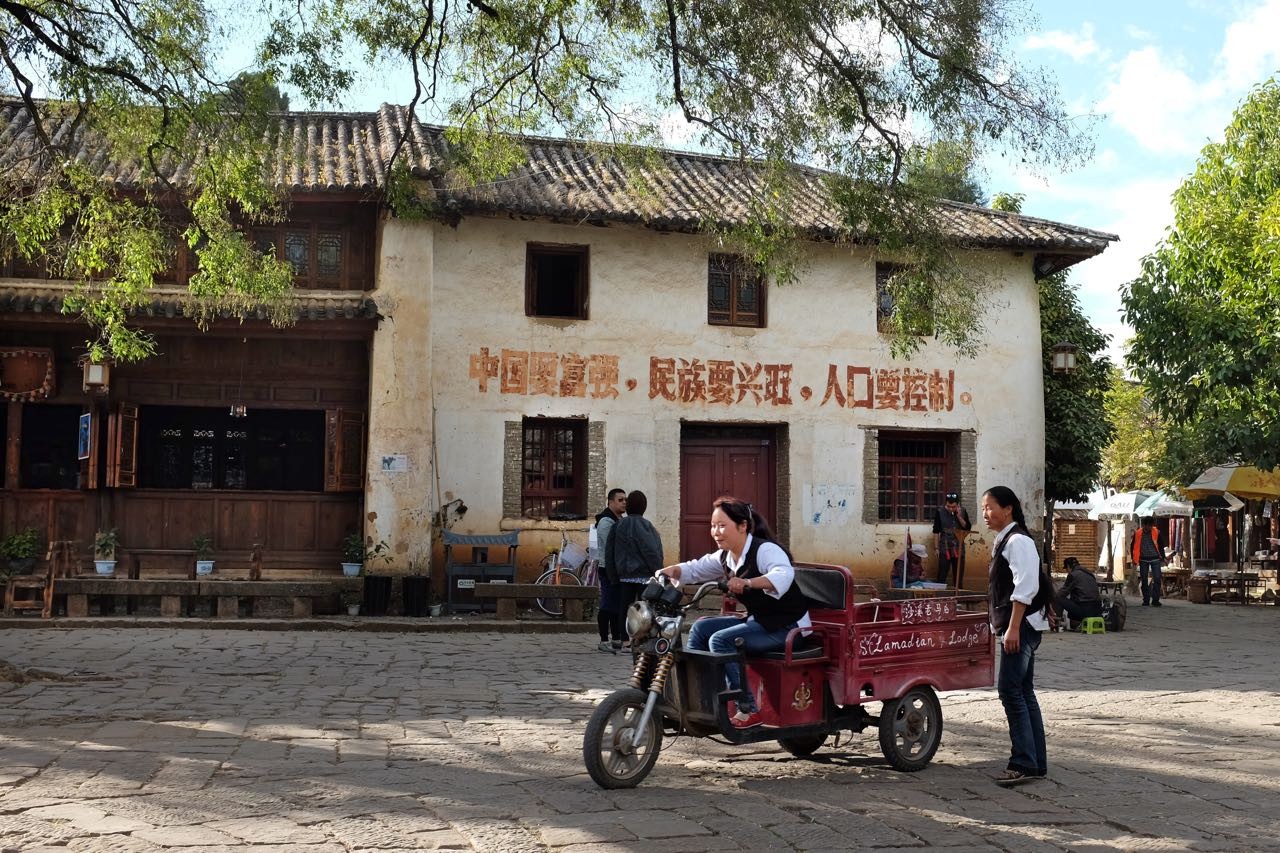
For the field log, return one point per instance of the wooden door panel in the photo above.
(710, 468)
(336, 521)
(293, 525)
(142, 522)
(242, 523)
(185, 519)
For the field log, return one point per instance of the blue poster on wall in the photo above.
(84, 436)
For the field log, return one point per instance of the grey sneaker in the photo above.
(606, 647)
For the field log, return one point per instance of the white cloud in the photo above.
(1250, 50)
(1138, 33)
(1078, 46)
(1158, 104)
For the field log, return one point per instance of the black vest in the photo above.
(772, 613)
(1000, 585)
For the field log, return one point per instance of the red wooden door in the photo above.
(715, 461)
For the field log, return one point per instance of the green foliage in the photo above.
(203, 546)
(22, 545)
(105, 543)
(357, 549)
(944, 169)
(1076, 427)
(770, 82)
(1204, 309)
(1136, 456)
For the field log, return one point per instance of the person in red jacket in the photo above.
(1147, 553)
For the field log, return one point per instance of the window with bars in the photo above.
(556, 281)
(735, 292)
(553, 474)
(913, 476)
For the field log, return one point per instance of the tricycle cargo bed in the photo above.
(942, 641)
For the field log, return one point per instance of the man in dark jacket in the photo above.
(1078, 595)
(633, 554)
(606, 612)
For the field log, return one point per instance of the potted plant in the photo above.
(351, 601)
(203, 546)
(105, 543)
(353, 555)
(19, 551)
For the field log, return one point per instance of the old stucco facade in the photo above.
(454, 301)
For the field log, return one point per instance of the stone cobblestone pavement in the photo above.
(1163, 738)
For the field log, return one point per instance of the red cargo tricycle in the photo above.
(860, 650)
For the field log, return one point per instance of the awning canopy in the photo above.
(1243, 481)
(1119, 506)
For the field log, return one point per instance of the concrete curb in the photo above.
(374, 624)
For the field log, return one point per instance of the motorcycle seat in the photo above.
(805, 648)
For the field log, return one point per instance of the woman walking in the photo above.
(1018, 601)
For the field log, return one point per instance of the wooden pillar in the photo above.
(13, 446)
(228, 607)
(302, 607)
(507, 608)
(171, 606)
(573, 609)
(77, 605)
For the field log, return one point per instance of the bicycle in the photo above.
(566, 566)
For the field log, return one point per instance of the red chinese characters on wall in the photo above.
(904, 389)
(546, 373)
(720, 382)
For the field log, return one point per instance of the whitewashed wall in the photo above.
(449, 292)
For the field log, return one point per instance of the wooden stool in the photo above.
(1093, 625)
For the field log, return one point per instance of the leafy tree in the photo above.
(1076, 427)
(1135, 458)
(828, 82)
(944, 169)
(1206, 307)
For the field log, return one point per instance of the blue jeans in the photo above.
(1151, 592)
(718, 633)
(1018, 695)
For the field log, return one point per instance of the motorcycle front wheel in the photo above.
(612, 760)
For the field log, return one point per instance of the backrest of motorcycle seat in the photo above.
(823, 587)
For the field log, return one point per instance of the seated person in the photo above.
(915, 567)
(1078, 595)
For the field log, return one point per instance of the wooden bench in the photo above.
(165, 559)
(507, 593)
(175, 594)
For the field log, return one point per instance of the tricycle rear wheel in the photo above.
(802, 747)
(911, 729)
(611, 759)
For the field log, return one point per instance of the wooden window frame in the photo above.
(892, 465)
(581, 285)
(536, 502)
(739, 272)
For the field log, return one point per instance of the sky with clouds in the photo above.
(1161, 80)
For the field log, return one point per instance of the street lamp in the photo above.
(1064, 358)
(97, 376)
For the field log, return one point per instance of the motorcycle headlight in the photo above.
(639, 619)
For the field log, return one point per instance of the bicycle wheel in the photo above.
(555, 606)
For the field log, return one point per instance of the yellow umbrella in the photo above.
(1244, 481)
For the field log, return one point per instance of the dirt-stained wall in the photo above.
(457, 337)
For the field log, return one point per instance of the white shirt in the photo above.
(771, 560)
(1024, 562)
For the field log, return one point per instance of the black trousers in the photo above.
(626, 594)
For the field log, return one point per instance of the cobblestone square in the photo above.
(1163, 737)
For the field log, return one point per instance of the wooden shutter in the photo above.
(344, 451)
(122, 447)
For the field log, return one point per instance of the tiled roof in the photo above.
(326, 152)
(39, 297)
